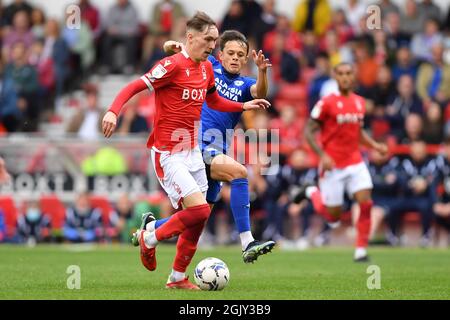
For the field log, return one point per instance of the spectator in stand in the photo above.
(354, 11)
(386, 188)
(404, 64)
(46, 73)
(433, 79)
(235, 19)
(430, 10)
(86, 123)
(310, 49)
(312, 15)
(33, 225)
(83, 223)
(164, 19)
(131, 121)
(291, 40)
(384, 88)
(285, 67)
(336, 53)
(10, 112)
(16, 6)
(384, 50)
(164, 15)
(25, 79)
(20, 32)
(396, 37)
(441, 207)
(56, 49)
(80, 42)
(38, 23)
(252, 10)
(401, 105)
(264, 23)
(433, 127)
(122, 28)
(387, 7)
(413, 130)
(422, 42)
(417, 173)
(412, 21)
(122, 219)
(366, 68)
(322, 74)
(91, 15)
(340, 25)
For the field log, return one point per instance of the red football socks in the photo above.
(363, 224)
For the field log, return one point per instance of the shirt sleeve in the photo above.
(319, 111)
(161, 74)
(211, 80)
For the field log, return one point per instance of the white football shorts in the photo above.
(180, 174)
(350, 179)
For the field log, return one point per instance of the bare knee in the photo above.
(239, 172)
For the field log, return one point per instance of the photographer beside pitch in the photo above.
(181, 83)
(215, 135)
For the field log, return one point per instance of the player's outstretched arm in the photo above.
(261, 87)
(171, 47)
(216, 102)
(109, 121)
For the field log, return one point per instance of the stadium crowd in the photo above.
(402, 69)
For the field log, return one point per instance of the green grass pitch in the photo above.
(115, 272)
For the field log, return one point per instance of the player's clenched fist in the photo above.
(109, 123)
(256, 104)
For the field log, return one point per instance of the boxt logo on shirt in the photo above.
(194, 94)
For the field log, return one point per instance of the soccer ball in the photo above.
(211, 274)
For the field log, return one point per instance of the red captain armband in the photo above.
(125, 94)
(219, 103)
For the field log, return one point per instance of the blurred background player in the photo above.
(181, 83)
(340, 119)
(233, 54)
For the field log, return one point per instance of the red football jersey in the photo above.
(341, 118)
(180, 85)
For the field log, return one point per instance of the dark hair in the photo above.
(233, 35)
(199, 21)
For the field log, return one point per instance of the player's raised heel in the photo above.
(255, 249)
(146, 218)
(184, 284)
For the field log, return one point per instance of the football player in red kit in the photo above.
(181, 83)
(339, 117)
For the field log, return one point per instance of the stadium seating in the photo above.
(55, 209)
(105, 207)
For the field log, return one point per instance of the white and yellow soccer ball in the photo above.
(211, 274)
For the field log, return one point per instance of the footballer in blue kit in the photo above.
(216, 132)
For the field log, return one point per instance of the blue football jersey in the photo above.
(214, 124)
